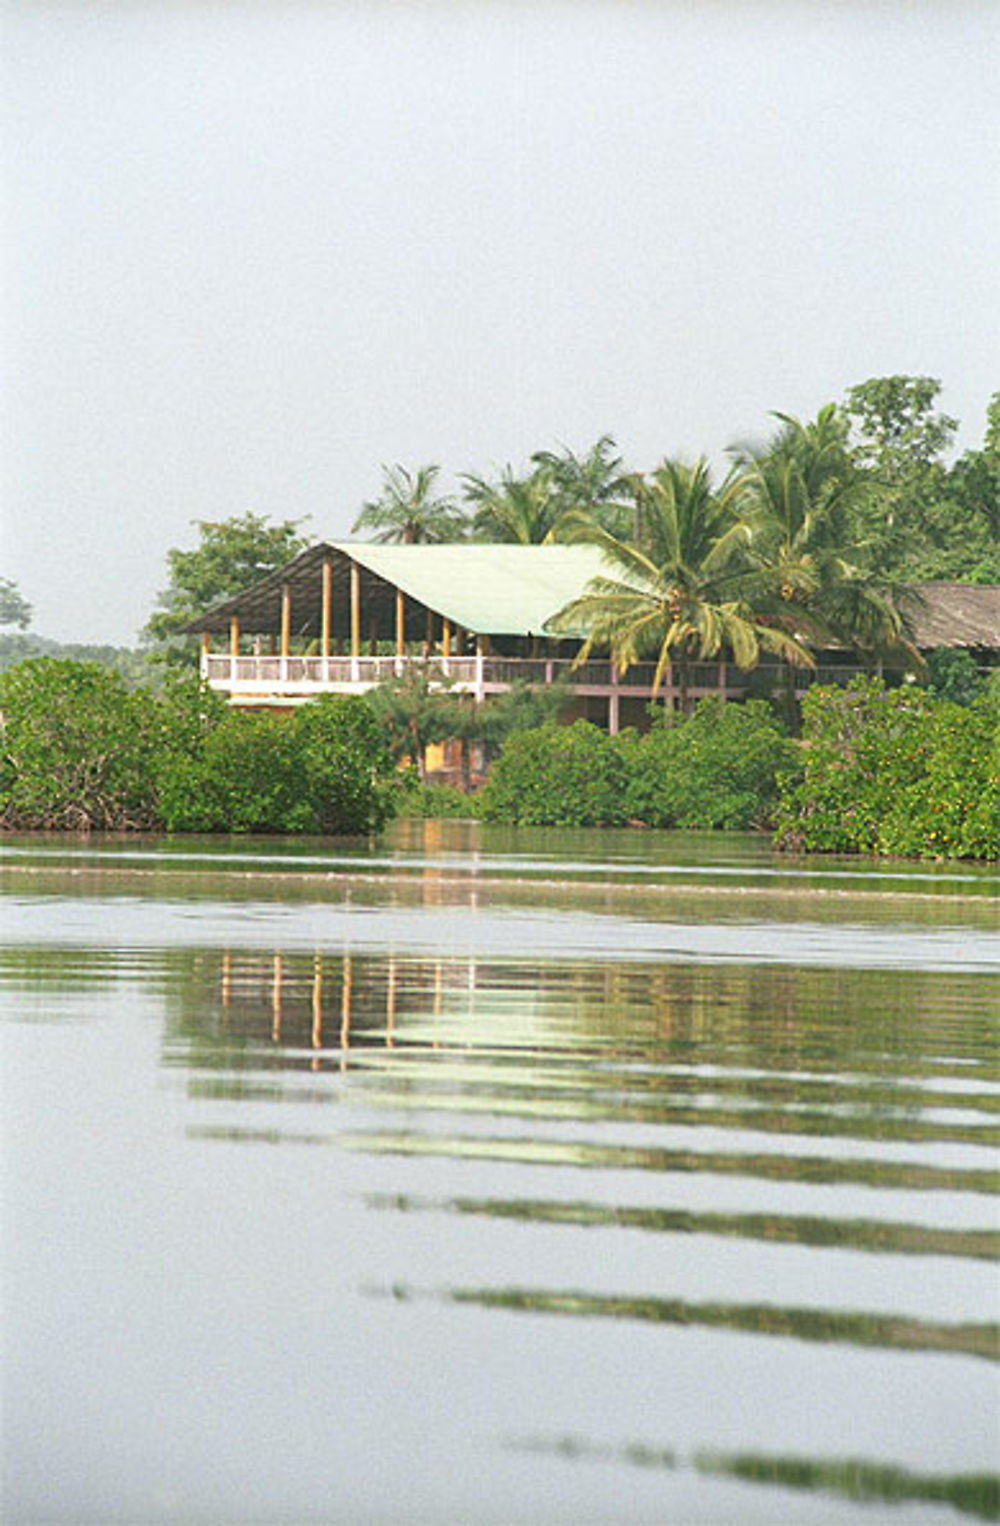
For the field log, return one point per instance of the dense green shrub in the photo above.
(952, 673)
(81, 751)
(558, 776)
(324, 769)
(896, 771)
(436, 801)
(719, 768)
(77, 748)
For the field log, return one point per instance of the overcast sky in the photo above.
(254, 250)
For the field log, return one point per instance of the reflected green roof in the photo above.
(496, 590)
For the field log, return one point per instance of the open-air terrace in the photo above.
(344, 616)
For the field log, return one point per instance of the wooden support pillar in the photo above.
(355, 612)
(324, 640)
(400, 623)
(446, 638)
(234, 636)
(286, 619)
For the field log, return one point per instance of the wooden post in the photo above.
(286, 619)
(327, 606)
(446, 638)
(206, 643)
(355, 619)
(400, 623)
(234, 648)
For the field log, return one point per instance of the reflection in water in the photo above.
(843, 1234)
(863, 1482)
(758, 1319)
(776, 1173)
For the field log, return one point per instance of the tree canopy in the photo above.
(231, 554)
(14, 607)
(409, 512)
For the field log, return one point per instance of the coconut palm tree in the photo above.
(527, 511)
(594, 485)
(407, 511)
(686, 588)
(795, 499)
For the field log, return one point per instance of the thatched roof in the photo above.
(956, 614)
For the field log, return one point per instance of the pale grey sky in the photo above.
(254, 250)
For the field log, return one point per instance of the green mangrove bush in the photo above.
(720, 767)
(896, 771)
(574, 776)
(79, 751)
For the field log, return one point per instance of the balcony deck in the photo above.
(262, 680)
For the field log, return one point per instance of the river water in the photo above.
(492, 1175)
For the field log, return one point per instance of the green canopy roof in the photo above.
(489, 590)
(496, 590)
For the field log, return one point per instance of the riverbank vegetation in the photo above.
(81, 751)
(878, 771)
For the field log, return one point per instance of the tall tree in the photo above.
(409, 512)
(231, 554)
(898, 439)
(594, 485)
(14, 607)
(796, 499)
(527, 511)
(685, 589)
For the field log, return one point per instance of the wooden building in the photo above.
(344, 615)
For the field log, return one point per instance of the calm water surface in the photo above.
(482, 1175)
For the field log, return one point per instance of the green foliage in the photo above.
(325, 769)
(558, 776)
(685, 587)
(896, 771)
(232, 554)
(14, 607)
(407, 511)
(81, 751)
(522, 707)
(78, 748)
(245, 777)
(346, 765)
(131, 665)
(414, 710)
(952, 673)
(720, 768)
(919, 519)
(436, 801)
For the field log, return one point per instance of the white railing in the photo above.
(301, 677)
